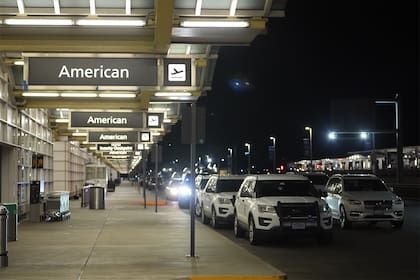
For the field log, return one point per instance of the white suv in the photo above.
(200, 184)
(363, 198)
(217, 199)
(282, 204)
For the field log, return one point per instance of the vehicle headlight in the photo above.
(184, 190)
(397, 201)
(355, 202)
(266, 208)
(173, 191)
(224, 200)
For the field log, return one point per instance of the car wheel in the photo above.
(204, 218)
(237, 230)
(344, 223)
(253, 234)
(214, 222)
(397, 224)
(197, 209)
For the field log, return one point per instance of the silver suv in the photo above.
(279, 204)
(363, 198)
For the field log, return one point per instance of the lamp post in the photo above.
(248, 153)
(230, 160)
(310, 143)
(274, 153)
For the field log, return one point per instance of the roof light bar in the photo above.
(214, 23)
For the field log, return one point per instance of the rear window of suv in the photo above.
(364, 185)
(228, 185)
(284, 188)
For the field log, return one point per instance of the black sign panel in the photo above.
(177, 72)
(154, 120)
(92, 71)
(113, 136)
(106, 119)
(115, 147)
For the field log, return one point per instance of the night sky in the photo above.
(321, 55)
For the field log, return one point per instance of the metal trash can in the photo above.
(12, 221)
(97, 197)
(85, 195)
(4, 259)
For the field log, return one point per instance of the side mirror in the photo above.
(391, 189)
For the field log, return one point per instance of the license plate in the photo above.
(298, 225)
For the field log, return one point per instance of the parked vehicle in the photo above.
(272, 205)
(200, 184)
(363, 198)
(216, 199)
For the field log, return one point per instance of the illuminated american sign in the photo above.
(113, 136)
(92, 71)
(106, 119)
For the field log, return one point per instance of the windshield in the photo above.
(228, 185)
(364, 185)
(284, 188)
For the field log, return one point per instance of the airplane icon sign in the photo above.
(176, 72)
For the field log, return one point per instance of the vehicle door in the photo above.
(242, 200)
(334, 189)
(207, 195)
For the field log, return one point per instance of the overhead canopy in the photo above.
(193, 30)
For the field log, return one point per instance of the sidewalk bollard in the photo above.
(3, 237)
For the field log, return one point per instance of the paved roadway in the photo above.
(364, 252)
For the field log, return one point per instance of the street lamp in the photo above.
(248, 152)
(274, 153)
(230, 160)
(310, 143)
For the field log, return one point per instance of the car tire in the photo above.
(344, 222)
(397, 224)
(237, 230)
(213, 220)
(197, 210)
(253, 234)
(204, 218)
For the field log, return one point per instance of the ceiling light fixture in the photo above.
(172, 94)
(78, 94)
(117, 95)
(111, 22)
(41, 94)
(38, 21)
(214, 23)
(79, 134)
(62, 120)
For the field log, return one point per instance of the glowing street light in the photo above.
(274, 153)
(310, 142)
(248, 152)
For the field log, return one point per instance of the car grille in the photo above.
(297, 210)
(378, 204)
